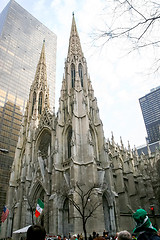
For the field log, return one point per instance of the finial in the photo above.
(129, 148)
(73, 14)
(112, 137)
(44, 40)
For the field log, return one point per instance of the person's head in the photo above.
(133, 235)
(142, 220)
(36, 232)
(158, 232)
(74, 236)
(124, 235)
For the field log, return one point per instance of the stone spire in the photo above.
(38, 101)
(78, 109)
(74, 41)
(40, 80)
(39, 92)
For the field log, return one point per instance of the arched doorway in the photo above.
(66, 218)
(38, 192)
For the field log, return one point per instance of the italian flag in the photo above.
(39, 208)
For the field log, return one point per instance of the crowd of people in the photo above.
(142, 231)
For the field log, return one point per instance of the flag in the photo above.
(39, 208)
(4, 214)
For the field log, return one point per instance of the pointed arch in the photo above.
(93, 141)
(108, 202)
(66, 217)
(43, 146)
(37, 191)
(65, 210)
(44, 143)
(33, 100)
(80, 71)
(73, 74)
(40, 102)
(107, 220)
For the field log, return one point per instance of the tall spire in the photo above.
(74, 41)
(40, 80)
(39, 98)
(42, 56)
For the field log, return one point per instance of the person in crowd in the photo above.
(112, 237)
(99, 237)
(124, 235)
(81, 236)
(134, 236)
(90, 237)
(65, 238)
(116, 237)
(59, 237)
(36, 232)
(94, 234)
(144, 226)
(75, 237)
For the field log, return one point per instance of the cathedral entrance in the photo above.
(38, 192)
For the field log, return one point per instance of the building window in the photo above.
(40, 103)
(80, 70)
(69, 138)
(73, 74)
(33, 102)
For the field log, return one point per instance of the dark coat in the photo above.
(148, 236)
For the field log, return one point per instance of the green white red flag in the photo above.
(39, 208)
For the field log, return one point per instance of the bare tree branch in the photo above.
(137, 21)
(84, 204)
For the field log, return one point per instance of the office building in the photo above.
(21, 40)
(150, 106)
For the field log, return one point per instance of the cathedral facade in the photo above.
(61, 158)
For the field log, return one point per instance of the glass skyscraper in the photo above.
(150, 106)
(21, 40)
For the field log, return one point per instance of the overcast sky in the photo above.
(118, 79)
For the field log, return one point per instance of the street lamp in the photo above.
(3, 150)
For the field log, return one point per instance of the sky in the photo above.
(119, 79)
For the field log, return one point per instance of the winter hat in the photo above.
(143, 221)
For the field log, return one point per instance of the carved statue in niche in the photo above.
(106, 147)
(56, 146)
(90, 139)
(91, 143)
(73, 139)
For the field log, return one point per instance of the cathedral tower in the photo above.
(31, 170)
(80, 153)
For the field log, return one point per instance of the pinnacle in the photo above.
(74, 42)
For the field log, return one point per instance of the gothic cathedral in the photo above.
(62, 157)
